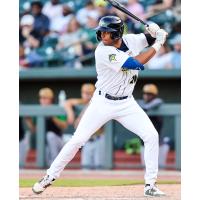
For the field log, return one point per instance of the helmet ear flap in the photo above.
(122, 30)
(114, 35)
(118, 34)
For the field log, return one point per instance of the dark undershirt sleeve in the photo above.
(150, 39)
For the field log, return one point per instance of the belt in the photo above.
(113, 98)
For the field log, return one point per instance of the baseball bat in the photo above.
(120, 7)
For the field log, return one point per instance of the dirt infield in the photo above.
(130, 192)
(100, 193)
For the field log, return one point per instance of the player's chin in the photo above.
(106, 42)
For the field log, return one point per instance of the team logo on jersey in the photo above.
(112, 57)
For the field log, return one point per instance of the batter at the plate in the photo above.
(118, 61)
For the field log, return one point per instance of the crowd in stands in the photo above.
(61, 32)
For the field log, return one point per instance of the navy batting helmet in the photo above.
(111, 24)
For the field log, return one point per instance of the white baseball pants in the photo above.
(101, 110)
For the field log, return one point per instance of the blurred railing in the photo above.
(172, 110)
(88, 72)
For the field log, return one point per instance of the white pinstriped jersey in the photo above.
(111, 77)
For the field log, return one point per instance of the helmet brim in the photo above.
(104, 29)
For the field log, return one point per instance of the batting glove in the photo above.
(161, 36)
(152, 29)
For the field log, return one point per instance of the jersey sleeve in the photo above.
(110, 57)
(137, 41)
(141, 41)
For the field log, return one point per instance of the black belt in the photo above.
(113, 98)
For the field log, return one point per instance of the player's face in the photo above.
(45, 101)
(106, 38)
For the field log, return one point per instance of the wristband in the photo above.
(156, 46)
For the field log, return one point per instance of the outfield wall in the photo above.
(70, 80)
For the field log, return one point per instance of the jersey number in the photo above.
(133, 79)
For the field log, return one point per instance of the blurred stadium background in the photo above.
(57, 51)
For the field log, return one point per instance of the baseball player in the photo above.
(92, 153)
(118, 60)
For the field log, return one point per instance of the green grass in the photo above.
(89, 182)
